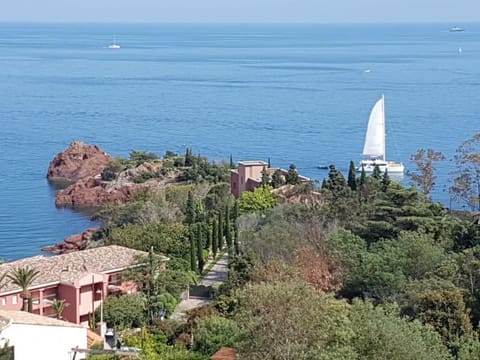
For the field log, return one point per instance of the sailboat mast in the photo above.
(384, 130)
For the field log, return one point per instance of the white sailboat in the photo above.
(114, 44)
(374, 148)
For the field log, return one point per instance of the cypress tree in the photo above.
(188, 157)
(265, 177)
(214, 238)
(200, 248)
(193, 263)
(385, 180)
(376, 173)
(352, 180)
(220, 231)
(269, 165)
(209, 238)
(228, 232)
(324, 183)
(363, 177)
(190, 210)
(235, 242)
(232, 165)
(235, 227)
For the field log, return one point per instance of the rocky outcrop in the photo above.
(77, 162)
(93, 192)
(72, 243)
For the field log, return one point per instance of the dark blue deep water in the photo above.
(294, 93)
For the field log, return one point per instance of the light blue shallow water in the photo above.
(296, 93)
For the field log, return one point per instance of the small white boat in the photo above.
(374, 148)
(456, 29)
(114, 44)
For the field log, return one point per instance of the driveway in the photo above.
(218, 274)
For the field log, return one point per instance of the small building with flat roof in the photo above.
(31, 336)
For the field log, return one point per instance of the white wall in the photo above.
(45, 342)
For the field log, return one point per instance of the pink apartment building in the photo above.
(83, 279)
(248, 176)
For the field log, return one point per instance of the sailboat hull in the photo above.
(391, 166)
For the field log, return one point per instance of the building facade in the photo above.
(82, 279)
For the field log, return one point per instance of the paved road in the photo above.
(217, 274)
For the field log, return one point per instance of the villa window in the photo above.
(4, 301)
(48, 299)
(14, 300)
(115, 279)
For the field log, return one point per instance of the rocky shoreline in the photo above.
(80, 167)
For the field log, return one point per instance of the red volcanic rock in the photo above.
(72, 243)
(78, 161)
(91, 192)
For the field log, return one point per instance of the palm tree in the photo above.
(58, 306)
(3, 280)
(24, 278)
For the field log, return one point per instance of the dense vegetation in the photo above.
(375, 270)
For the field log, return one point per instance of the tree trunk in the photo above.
(25, 304)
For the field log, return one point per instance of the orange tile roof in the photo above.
(225, 353)
(69, 267)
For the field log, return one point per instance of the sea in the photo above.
(297, 94)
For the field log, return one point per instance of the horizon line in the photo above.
(108, 22)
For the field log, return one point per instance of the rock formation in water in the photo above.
(92, 191)
(72, 243)
(77, 162)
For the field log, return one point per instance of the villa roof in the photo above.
(26, 318)
(252, 163)
(67, 268)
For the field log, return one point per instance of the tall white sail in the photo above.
(375, 139)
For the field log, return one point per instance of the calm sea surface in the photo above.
(297, 94)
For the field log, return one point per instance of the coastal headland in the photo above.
(94, 179)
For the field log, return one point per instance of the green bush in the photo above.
(213, 332)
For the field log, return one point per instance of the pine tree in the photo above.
(292, 175)
(193, 263)
(352, 180)
(214, 238)
(277, 179)
(228, 231)
(336, 180)
(190, 210)
(220, 231)
(200, 247)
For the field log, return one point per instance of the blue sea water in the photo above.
(295, 93)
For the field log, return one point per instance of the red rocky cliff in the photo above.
(78, 161)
